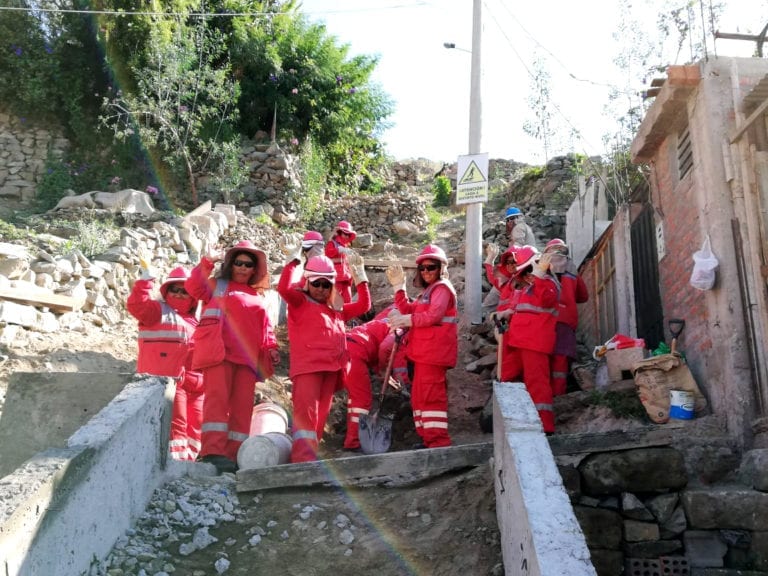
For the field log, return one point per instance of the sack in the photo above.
(704, 267)
(656, 376)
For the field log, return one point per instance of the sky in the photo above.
(430, 85)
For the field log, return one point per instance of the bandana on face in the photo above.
(180, 304)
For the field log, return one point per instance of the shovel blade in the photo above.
(375, 432)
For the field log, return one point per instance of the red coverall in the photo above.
(433, 348)
(166, 341)
(318, 353)
(335, 250)
(233, 342)
(529, 341)
(363, 344)
(572, 291)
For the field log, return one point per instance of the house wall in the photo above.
(701, 204)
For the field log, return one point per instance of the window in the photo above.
(684, 153)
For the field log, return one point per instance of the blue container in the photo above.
(680, 404)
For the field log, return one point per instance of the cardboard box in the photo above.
(620, 362)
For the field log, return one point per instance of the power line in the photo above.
(132, 13)
(205, 14)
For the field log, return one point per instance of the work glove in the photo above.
(315, 250)
(491, 252)
(144, 266)
(396, 277)
(558, 263)
(357, 268)
(398, 320)
(214, 253)
(291, 247)
(541, 267)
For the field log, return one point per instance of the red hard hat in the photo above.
(432, 252)
(177, 276)
(556, 245)
(526, 256)
(319, 267)
(509, 253)
(312, 236)
(345, 226)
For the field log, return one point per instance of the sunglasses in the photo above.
(324, 284)
(344, 233)
(174, 289)
(246, 263)
(428, 267)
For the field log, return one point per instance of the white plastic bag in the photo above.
(704, 267)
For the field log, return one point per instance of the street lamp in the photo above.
(452, 46)
(473, 230)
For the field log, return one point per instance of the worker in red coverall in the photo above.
(432, 346)
(369, 346)
(318, 345)
(236, 346)
(166, 341)
(338, 249)
(501, 276)
(530, 338)
(573, 291)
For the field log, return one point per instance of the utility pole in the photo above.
(473, 250)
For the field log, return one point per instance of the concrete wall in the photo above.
(540, 535)
(66, 504)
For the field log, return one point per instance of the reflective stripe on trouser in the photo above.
(533, 368)
(186, 421)
(357, 381)
(429, 398)
(558, 365)
(227, 408)
(312, 398)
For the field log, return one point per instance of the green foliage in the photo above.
(296, 81)
(313, 168)
(183, 106)
(95, 236)
(264, 220)
(621, 404)
(230, 173)
(441, 191)
(57, 178)
(9, 232)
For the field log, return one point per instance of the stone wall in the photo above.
(676, 509)
(23, 150)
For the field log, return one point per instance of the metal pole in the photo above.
(474, 225)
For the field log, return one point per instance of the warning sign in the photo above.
(472, 182)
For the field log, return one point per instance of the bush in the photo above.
(442, 192)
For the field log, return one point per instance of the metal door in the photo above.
(645, 272)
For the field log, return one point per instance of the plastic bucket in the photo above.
(680, 404)
(265, 450)
(268, 417)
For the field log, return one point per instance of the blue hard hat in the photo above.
(511, 212)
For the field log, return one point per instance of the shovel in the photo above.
(375, 429)
(486, 416)
(676, 326)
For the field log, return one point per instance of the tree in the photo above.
(298, 83)
(540, 103)
(184, 105)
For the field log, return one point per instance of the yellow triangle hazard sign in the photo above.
(472, 175)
